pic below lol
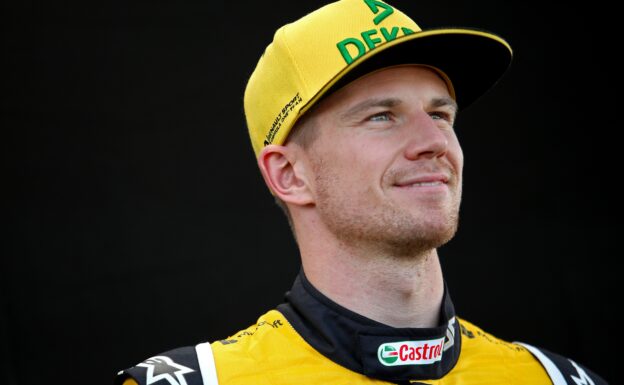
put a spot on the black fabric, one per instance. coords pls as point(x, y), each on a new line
point(354, 341)
point(573, 373)
point(473, 63)
point(175, 367)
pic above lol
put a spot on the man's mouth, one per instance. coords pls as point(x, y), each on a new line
point(424, 181)
point(435, 183)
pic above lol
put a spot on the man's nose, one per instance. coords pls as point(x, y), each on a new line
point(424, 137)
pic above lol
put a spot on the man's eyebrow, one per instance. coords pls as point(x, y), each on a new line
point(369, 103)
point(444, 101)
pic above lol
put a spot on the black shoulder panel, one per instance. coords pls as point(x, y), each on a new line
point(572, 373)
point(175, 367)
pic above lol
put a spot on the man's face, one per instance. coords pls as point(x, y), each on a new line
point(387, 164)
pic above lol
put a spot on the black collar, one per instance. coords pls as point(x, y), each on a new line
point(369, 347)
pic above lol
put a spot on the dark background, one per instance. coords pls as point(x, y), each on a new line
point(138, 222)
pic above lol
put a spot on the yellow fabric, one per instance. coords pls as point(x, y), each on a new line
point(130, 381)
point(311, 54)
point(271, 352)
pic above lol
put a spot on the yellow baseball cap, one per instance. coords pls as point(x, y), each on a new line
point(344, 40)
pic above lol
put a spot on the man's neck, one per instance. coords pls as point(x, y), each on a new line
point(396, 291)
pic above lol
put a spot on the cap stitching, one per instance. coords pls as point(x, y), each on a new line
point(292, 59)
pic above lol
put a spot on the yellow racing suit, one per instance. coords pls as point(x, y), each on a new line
point(310, 339)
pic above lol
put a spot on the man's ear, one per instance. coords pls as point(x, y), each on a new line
point(284, 174)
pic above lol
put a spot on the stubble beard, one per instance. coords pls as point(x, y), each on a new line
point(384, 229)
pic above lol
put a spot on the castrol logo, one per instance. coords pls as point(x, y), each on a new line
point(411, 352)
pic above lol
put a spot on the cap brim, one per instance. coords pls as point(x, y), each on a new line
point(473, 60)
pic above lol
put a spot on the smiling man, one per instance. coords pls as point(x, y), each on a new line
point(375, 193)
point(351, 113)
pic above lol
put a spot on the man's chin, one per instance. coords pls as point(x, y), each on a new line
point(423, 238)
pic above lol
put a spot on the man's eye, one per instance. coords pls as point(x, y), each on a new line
point(438, 115)
point(381, 117)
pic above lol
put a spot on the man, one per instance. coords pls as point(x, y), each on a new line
point(350, 112)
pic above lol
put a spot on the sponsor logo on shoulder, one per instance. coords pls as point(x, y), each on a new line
point(411, 352)
point(164, 368)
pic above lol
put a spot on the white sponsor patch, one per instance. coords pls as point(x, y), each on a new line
point(411, 352)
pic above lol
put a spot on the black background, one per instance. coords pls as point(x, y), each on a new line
point(138, 222)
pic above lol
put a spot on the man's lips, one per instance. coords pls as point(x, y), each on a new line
point(424, 181)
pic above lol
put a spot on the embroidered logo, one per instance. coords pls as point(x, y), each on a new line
point(411, 352)
point(583, 378)
point(164, 368)
point(388, 355)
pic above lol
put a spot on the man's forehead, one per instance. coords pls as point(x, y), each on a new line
point(378, 88)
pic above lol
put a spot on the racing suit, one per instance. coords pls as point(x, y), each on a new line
point(310, 339)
